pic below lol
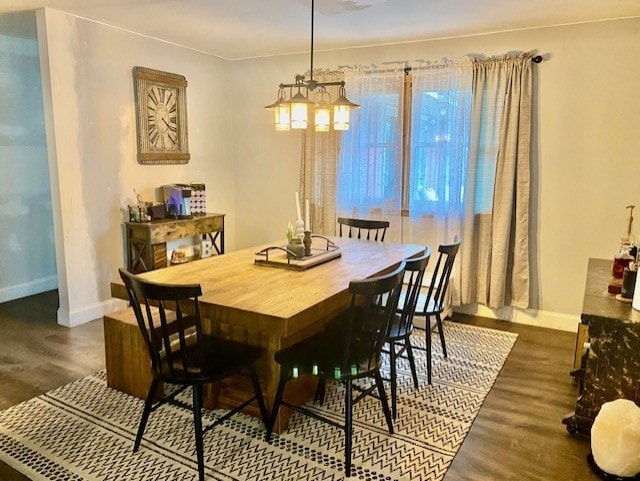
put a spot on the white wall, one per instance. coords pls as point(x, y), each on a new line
point(90, 114)
point(585, 151)
point(267, 163)
point(27, 259)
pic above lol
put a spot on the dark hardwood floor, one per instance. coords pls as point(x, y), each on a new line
point(37, 355)
point(518, 434)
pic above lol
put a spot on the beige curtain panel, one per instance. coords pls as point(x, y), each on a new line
point(495, 254)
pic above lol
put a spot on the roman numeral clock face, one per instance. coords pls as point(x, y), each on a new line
point(162, 117)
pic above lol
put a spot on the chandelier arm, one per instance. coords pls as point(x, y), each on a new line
point(317, 84)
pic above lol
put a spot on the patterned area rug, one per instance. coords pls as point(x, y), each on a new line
point(85, 430)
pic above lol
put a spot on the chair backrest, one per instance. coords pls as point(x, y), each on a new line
point(373, 303)
point(168, 316)
point(441, 275)
point(373, 229)
point(413, 276)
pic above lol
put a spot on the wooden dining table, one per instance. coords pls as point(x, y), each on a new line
point(274, 307)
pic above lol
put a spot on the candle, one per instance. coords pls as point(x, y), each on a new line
point(298, 207)
point(307, 225)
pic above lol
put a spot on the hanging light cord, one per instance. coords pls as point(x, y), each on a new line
point(312, 22)
point(292, 113)
point(300, 80)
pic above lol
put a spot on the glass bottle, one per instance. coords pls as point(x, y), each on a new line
point(622, 260)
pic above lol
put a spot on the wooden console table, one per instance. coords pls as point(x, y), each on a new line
point(146, 242)
point(612, 369)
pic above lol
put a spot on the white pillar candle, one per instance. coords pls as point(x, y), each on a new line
point(298, 207)
point(307, 225)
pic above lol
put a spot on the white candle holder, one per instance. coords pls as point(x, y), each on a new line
point(299, 232)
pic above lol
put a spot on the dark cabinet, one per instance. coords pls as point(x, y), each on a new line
point(612, 368)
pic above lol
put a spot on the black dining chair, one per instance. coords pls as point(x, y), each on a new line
point(434, 303)
point(182, 355)
point(371, 229)
point(399, 337)
point(347, 354)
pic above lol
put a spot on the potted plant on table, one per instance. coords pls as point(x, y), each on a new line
point(294, 243)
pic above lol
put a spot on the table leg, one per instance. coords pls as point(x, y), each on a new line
point(234, 390)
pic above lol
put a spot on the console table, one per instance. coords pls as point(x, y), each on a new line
point(612, 369)
point(146, 242)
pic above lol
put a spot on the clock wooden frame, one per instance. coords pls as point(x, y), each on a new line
point(162, 132)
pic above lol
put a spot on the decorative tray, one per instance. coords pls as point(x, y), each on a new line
point(279, 256)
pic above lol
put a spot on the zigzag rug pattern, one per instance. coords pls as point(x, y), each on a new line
point(84, 431)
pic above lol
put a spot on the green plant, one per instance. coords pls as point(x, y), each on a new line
point(290, 231)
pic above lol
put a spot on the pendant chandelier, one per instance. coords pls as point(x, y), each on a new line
point(293, 112)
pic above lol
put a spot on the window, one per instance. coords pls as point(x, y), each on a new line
point(380, 112)
point(439, 151)
point(370, 161)
point(373, 177)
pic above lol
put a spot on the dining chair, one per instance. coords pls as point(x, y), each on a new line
point(399, 336)
point(434, 303)
point(182, 355)
point(350, 353)
point(359, 227)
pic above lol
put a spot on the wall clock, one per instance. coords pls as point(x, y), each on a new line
point(161, 109)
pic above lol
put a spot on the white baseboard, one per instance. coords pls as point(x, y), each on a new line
point(90, 313)
point(36, 286)
point(530, 317)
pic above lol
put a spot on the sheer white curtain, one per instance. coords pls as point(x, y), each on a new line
point(318, 168)
point(495, 250)
point(370, 161)
point(439, 152)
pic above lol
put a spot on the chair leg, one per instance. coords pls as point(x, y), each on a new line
point(320, 390)
point(383, 401)
point(201, 396)
point(412, 361)
point(277, 400)
point(148, 403)
point(197, 422)
point(392, 369)
point(428, 343)
point(258, 392)
point(348, 427)
point(441, 332)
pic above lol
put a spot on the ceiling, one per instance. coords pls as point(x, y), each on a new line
point(235, 29)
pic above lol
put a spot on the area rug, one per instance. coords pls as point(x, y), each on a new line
point(84, 431)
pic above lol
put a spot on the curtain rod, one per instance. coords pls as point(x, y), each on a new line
point(536, 59)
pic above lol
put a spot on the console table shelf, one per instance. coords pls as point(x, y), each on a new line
point(146, 242)
point(612, 369)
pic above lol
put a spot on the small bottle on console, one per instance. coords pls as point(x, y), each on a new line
point(624, 256)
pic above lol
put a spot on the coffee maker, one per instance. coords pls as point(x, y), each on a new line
point(177, 200)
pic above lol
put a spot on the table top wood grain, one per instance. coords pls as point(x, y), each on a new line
point(275, 300)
